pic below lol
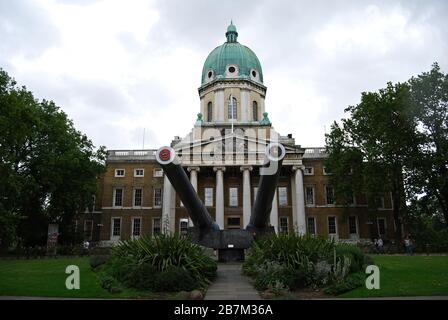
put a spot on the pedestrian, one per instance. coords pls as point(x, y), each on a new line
point(408, 245)
point(380, 245)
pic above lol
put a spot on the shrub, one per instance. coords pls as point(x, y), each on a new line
point(160, 263)
point(273, 275)
point(352, 281)
point(354, 253)
point(96, 261)
point(174, 279)
point(296, 261)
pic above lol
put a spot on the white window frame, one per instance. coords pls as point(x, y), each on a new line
point(133, 227)
point(326, 199)
point(305, 173)
point(112, 236)
point(138, 175)
point(335, 223)
point(378, 225)
point(314, 195)
point(232, 109)
point(115, 196)
point(91, 229)
point(183, 220)
point(280, 224)
point(280, 203)
point(153, 225)
point(324, 171)
point(133, 198)
point(120, 176)
point(314, 223)
point(230, 197)
point(207, 201)
point(154, 198)
point(155, 173)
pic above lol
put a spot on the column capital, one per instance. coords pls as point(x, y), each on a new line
point(197, 169)
point(219, 169)
point(298, 167)
point(243, 168)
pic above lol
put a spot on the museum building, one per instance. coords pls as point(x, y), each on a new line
point(222, 156)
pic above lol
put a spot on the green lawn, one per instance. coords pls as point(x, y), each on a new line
point(46, 278)
point(408, 276)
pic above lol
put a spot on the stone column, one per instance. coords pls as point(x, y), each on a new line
point(194, 182)
point(219, 207)
point(274, 213)
point(168, 223)
point(246, 194)
point(300, 199)
point(245, 101)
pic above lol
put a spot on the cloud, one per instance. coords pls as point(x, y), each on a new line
point(119, 68)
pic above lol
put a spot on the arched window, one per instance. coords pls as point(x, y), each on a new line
point(209, 112)
point(232, 108)
point(255, 111)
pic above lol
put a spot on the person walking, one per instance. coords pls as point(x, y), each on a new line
point(380, 245)
point(408, 245)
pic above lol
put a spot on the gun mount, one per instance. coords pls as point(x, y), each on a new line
point(229, 243)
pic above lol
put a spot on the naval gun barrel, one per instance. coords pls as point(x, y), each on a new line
point(166, 157)
point(269, 173)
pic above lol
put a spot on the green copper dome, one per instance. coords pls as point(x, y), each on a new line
point(232, 60)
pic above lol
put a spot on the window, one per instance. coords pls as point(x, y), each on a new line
point(118, 197)
point(233, 223)
point(311, 221)
point(209, 112)
point(351, 199)
point(88, 228)
point(139, 172)
point(138, 197)
point(309, 171)
point(309, 192)
point(232, 108)
point(119, 173)
point(329, 195)
point(325, 171)
point(136, 227)
point(232, 69)
point(255, 193)
point(93, 202)
point(282, 196)
point(156, 226)
point(283, 225)
point(158, 172)
point(381, 226)
point(157, 197)
point(255, 110)
point(183, 227)
point(208, 193)
point(116, 227)
point(233, 197)
point(352, 225)
point(380, 202)
point(332, 225)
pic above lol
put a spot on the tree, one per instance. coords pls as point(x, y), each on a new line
point(376, 144)
point(429, 93)
point(48, 169)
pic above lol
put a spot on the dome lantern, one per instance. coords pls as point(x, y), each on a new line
point(231, 33)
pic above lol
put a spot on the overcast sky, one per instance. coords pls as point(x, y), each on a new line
point(116, 67)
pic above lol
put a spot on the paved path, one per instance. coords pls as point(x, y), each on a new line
point(231, 284)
